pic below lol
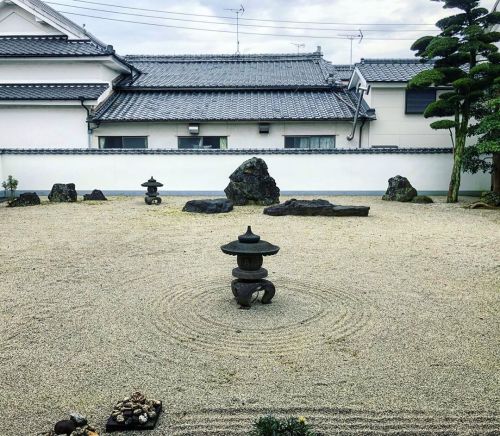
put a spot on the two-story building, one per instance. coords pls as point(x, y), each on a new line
point(71, 109)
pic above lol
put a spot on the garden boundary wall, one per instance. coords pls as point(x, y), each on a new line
point(352, 172)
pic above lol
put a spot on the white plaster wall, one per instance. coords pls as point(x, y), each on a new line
point(55, 71)
point(394, 127)
point(240, 135)
point(43, 127)
point(16, 21)
point(210, 173)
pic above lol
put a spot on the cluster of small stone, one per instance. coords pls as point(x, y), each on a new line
point(135, 409)
point(77, 425)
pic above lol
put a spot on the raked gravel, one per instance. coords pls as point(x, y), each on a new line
point(388, 323)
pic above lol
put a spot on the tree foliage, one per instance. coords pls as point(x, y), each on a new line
point(466, 63)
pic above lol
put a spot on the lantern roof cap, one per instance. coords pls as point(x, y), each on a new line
point(152, 183)
point(250, 243)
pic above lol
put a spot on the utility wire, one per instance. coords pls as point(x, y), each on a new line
point(227, 31)
point(234, 24)
point(251, 19)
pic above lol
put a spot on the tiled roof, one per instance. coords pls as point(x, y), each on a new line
point(279, 71)
point(45, 46)
point(391, 70)
point(52, 91)
point(228, 105)
point(343, 72)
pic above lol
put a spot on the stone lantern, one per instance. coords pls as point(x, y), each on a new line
point(152, 195)
point(250, 275)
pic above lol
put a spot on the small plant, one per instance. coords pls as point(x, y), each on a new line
point(271, 426)
point(10, 186)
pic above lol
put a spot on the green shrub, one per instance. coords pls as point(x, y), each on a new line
point(271, 426)
point(10, 186)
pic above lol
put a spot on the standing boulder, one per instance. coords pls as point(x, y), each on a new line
point(252, 184)
point(26, 199)
point(63, 193)
point(400, 189)
point(95, 195)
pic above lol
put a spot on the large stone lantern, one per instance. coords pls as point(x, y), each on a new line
point(152, 195)
point(250, 275)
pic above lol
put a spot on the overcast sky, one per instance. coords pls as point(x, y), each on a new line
point(129, 38)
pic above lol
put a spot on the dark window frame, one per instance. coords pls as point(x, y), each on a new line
point(146, 145)
point(420, 91)
point(202, 137)
point(311, 136)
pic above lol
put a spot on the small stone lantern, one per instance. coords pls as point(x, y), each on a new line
point(250, 275)
point(152, 196)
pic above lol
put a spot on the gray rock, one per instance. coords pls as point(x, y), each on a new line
point(400, 189)
point(315, 208)
point(143, 419)
point(64, 427)
point(251, 184)
point(422, 199)
point(78, 419)
point(95, 195)
point(63, 193)
point(219, 205)
point(26, 199)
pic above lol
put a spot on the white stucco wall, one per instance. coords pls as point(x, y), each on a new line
point(394, 127)
point(240, 135)
point(55, 71)
point(341, 172)
point(43, 126)
point(17, 21)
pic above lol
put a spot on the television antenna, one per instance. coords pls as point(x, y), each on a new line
point(352, 37)
point(238, 12)
point(298, 45)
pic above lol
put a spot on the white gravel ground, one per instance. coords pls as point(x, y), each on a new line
point(386, 324)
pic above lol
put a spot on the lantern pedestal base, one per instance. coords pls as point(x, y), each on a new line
point(243, 291)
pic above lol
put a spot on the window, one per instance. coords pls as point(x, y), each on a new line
point(308, 142)
point(203, 142)
point(418, 99)
point(123, 142)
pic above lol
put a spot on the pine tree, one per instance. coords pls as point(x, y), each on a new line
point(466, 64)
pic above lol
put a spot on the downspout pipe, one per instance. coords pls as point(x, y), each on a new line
point(89, 129)
point(361, 91)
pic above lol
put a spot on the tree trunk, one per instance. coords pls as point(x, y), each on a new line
point(456, 172)
point(496, 172)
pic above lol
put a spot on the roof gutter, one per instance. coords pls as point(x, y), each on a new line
point(362, 91)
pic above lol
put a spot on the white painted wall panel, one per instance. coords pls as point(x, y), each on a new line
point(55, 71)
point(348, 172)
point(394, 127)
point(240, 135)
point(43, 127)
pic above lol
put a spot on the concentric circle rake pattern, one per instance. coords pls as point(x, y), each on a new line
point(346, 422)
point(206, 318)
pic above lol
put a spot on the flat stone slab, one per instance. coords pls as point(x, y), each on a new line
point(219, 205)
point(315, 208)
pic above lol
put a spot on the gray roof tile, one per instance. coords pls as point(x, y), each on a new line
point(231, 71)
point(391, 70)
point(46, 46)
point(51, 91)
point(228, 106)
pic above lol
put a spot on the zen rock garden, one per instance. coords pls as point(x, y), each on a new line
point(226, 311)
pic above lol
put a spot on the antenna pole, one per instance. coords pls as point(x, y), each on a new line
point(298, 45)
point(351, 37)
point(239, 11)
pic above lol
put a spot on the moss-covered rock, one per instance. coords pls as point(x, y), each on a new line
point(422, 199)
point(400, 189)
